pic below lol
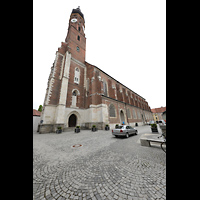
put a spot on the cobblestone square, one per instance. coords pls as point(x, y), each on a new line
point(99, 166)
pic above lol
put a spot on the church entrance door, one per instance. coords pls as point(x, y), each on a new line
point(122, 119)
point(72, 121)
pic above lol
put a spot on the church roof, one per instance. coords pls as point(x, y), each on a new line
point(78, 10)
point(116, 80)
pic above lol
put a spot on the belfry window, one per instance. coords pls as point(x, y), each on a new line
point(79, 28)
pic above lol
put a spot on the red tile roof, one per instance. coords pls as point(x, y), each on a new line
point(158, 110)
point(36, 112)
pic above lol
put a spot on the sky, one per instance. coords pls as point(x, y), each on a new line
point(126, 39)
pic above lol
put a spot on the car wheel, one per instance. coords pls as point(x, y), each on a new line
point(127, 135)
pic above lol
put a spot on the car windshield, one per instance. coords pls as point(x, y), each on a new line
point(119, 127)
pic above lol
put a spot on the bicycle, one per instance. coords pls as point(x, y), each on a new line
point(164, 142)
point(161, 145)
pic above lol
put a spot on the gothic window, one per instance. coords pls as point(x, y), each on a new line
point(78, 38)
point(134, 115)
point(74, 98)
point(139, 115)
point(105, 88)
point(79, 28)
point(112, 110)
point(128, 113)
point(75, 93)
point(77, 76)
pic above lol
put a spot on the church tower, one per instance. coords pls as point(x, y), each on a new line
point(76, 36)
point(67, 80)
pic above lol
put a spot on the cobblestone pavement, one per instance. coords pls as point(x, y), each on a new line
point(104, 167)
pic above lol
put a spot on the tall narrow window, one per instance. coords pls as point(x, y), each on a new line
point(105, 88)
point(112, 110)
point(128, 113)
point(134, 115)
point(74, 98)
point(139, 115)
point(77, 76)
point(78, 38)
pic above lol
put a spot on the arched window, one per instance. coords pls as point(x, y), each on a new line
point(112, 110)
point(74, 97)
point(134, 115)
point(128, 113)
point(105, 89)
point(77, 75)
point(138, 114)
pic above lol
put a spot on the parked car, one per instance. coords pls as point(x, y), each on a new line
point(162, 122)
point(124, 130)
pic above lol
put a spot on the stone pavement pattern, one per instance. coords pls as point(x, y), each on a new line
point(104, 167)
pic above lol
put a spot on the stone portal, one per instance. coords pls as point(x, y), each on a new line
point(72, 121)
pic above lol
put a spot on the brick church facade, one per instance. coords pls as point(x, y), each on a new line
point(79, 93)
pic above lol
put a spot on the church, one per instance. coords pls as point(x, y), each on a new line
point(81, 94)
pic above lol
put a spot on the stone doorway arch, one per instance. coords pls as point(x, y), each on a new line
point(72, 120)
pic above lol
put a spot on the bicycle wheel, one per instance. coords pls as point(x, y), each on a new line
point(164, 149)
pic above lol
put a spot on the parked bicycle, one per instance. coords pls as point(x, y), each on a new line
point(164, 142)
point(164, 149)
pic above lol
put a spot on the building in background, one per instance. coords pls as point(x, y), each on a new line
point(164, 115)
point(36, 119)
point(157, 113)
point(79, 93)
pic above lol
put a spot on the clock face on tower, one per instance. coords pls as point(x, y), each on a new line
point(73, 20)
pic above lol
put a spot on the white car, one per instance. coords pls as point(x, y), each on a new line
point(162, 122)
point(124, 130)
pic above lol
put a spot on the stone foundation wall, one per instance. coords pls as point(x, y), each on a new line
point(99, 125)
point(49, 128)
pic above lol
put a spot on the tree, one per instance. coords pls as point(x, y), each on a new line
point(40, 108)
